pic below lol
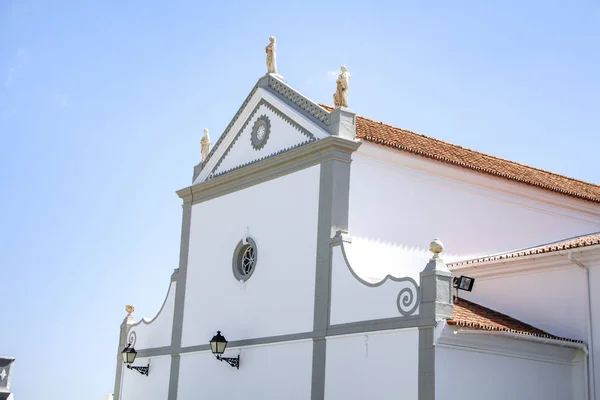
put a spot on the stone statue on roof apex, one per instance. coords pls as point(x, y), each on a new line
point(205, 145)
point(271, 51)
point(340, 97)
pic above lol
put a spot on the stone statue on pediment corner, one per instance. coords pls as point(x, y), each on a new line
point(205, 145)
point(340, 97)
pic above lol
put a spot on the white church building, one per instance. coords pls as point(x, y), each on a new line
point(307, 241)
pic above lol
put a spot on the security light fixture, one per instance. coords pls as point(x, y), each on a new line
point(218, 344)
point(463, 283)
point(129, 355)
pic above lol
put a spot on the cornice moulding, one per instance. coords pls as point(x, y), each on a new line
point(329, 148)
point(534, 263)
point(511, 345)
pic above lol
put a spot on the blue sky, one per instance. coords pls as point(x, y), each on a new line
point(102, 106)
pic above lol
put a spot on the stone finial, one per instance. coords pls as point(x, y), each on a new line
point(271, 51)
point(129, 309)
point(436, 247)
point(205, 144)
point(340, 97)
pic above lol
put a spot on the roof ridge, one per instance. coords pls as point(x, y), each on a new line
point(480, 152)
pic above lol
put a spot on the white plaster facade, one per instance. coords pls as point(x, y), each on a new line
point(284, 280)
point(337, 305)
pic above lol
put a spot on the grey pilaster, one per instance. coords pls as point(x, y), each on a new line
point(197, 170)
point(334, 193)
point(436, 292)
point(180, 276)
point(342, 123)
point(436, 305)
point(124, 328)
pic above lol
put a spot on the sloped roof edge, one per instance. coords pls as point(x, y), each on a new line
point(564, 244)
point(474, 316)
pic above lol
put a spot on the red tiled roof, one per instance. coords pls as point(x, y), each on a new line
point(425, 146)
point(572, 243)
point(470, 315)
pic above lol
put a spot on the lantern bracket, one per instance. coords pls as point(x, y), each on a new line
point(233, 361)
point(141, 370)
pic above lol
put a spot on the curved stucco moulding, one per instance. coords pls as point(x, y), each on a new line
point(155, 332)
point(407, 300)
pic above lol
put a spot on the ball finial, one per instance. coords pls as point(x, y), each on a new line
point(129, 309)
point(436, 247)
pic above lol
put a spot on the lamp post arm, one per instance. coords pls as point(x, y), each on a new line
point(141, 370)
point(233, 361)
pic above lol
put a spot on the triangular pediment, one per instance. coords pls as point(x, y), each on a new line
point(274, 119)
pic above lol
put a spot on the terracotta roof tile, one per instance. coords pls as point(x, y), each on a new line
point(470, 315)
point(425, 146)
point(566, 244)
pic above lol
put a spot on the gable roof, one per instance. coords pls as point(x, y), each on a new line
point(471, 315)
point(565, 244)
point(425, 146)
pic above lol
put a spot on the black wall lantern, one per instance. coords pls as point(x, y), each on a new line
point(463, 283)
point(129, 355)
point(218, 344)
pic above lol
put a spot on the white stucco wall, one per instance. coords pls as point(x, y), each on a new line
point(281, 216)
point(267, 372)
point(156, 332)
point(378, 365)
point(551, 300)
point(469, 375)
point(353, 300)
point(400, 202)
point(155, 386)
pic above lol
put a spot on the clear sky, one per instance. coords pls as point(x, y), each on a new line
point(102, 106)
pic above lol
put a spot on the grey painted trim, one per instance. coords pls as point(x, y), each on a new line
point(118, 375)
point(309, 155)
point(436, 305)
point(298, 101)
point(436, 292)
point(168, 350)
point(366, 326)
point(374, 325)
point(253, 342)
point(155, 351)
point(123, 331)
point(319, 365)
point(174, 376)
point(342, 123)
point(334, 197)
point(406, 296)
point(277, 112)
point(426, 364)
point(177, 331)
